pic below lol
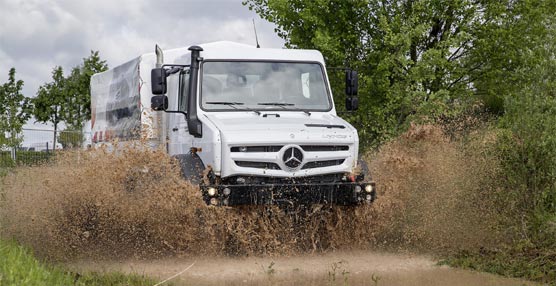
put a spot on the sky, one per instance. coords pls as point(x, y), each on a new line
point(37, 35)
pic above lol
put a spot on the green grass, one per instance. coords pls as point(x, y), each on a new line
point(531, 263)
point(19, 267)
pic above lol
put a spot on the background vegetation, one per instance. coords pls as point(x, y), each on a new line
point(64, 100)
point(437, 61)
point(67, 98)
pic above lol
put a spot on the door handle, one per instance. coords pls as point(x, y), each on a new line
point(175, 129)
point(267, 114)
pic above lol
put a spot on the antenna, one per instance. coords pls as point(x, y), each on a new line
point(256, 38)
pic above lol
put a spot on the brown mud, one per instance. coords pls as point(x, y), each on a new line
point(433, 197)
point(333, 268)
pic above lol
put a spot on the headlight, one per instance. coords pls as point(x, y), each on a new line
point(368, 188)
point(214, 201)
point(211, 191)
point(227, 191)
point(357, 189)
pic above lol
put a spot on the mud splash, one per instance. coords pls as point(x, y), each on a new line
point(134, 204)
point(438, 194)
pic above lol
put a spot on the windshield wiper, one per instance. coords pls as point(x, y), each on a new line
point(230, 103)
point(233, 105)
point(283, 106)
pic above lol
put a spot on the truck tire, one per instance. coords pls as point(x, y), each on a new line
point(192, 167)
point(364, 168)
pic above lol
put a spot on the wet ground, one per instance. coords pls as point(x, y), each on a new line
point(433, 198)
point(340, 268)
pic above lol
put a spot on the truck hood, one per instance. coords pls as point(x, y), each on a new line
point(282, 126)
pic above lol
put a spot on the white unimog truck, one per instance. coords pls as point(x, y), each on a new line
point(249, 125)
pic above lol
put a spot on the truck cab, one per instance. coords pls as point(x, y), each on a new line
point(257, 126)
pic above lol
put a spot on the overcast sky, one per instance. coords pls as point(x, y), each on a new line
point(36, 35)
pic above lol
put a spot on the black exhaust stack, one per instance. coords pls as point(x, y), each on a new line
point(193, 124)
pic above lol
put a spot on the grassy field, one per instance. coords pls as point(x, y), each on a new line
point(18, 266)
point(531, 263)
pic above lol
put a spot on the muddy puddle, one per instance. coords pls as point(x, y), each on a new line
point(100, 210)
point(338, 268)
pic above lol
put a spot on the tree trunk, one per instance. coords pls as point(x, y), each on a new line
point(14, 146)
point(54, 141)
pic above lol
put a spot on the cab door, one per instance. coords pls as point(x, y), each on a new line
point(179, 139)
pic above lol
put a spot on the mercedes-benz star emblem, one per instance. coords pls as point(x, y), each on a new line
point(293, 157)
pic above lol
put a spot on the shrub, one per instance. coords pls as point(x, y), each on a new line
point(527, 150)
point(24, 158)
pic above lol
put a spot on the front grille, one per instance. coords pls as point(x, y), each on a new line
point(249, 149)
point(322, 164)
point(258, 165)
point(278, 157)
point(324, 148)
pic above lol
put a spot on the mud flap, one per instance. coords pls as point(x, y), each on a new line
point(191, 166)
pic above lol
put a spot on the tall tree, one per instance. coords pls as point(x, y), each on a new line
point(78, 88)
point(14, 111)
point(52, 101)
point(67, 99)
point(415, 57)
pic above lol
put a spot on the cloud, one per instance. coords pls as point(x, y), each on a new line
point(36, 35)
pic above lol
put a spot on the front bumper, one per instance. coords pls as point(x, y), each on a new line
point(337, 193)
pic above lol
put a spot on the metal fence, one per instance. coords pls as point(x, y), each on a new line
point(40, 145)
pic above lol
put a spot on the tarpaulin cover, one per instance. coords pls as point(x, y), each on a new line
point(116, 103)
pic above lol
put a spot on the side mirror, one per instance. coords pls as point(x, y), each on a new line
point(158, 81)
point(352, 83)
point(352, 103)
point(159, 102)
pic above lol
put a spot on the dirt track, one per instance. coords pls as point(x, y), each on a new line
point(341, 268)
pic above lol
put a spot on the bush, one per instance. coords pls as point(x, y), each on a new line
point(527, 150)
point(24, 158)
point(6, 159)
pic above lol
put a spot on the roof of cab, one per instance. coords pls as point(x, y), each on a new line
point(225, 50)
point(232, 50)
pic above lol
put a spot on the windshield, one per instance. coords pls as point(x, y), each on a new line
point(264, 86)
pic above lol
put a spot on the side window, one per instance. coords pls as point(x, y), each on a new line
point(184, 90)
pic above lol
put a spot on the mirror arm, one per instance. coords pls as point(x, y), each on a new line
point(172, 71)
point(176, 111)
point(175, 65)
point(174, 68)
point(338, 68)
